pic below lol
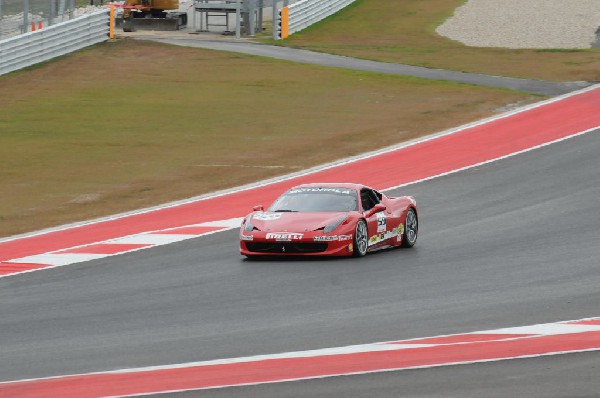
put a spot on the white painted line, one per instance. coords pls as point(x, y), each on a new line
point(349, 373)
point(151, 239)
point(372, 347)
point(510, 155)
point(547, 329)
point(57, 259)
point(354, 349)
point(230, 223)
point(382, 346)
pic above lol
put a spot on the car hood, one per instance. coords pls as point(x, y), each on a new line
point(294, 222)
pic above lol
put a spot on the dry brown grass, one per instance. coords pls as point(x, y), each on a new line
point(131, 124)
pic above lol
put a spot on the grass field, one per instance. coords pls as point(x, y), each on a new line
point(130, 124)
point(404, 32)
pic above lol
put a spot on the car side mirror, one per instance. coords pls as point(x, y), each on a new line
point(259, 208)
point(375, 209)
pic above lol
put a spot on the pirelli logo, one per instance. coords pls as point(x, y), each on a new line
point(284, 236)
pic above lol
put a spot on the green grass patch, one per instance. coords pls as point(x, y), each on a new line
point(131, 124)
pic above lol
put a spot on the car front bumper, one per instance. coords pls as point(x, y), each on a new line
point(315, 243)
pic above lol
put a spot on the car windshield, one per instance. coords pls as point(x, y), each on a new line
point(316, 200)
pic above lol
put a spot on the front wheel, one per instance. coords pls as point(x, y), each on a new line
point(411, 228)
point(361, 239)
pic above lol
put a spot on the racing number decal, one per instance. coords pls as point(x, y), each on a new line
point(381, 222)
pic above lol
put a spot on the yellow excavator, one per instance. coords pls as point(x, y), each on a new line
point(152, 15)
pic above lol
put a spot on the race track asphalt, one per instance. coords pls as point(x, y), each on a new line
point(510, 243)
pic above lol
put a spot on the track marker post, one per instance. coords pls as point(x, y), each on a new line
point(283, 24)
point(111, 23)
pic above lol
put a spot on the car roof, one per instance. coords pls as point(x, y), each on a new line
point(346, 185)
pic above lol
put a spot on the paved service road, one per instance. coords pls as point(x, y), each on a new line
point(311, 57)
point(509, 243)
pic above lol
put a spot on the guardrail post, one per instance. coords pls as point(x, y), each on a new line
point(250, 20)
point(260, 15)
point(52, 12)
point(275, 19)
point(238, 20)
point(25, 16)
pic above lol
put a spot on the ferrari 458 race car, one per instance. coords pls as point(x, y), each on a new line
point(329, 220)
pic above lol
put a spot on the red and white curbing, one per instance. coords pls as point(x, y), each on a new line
point(458, 149)
point(483, 346)
point(114, 247)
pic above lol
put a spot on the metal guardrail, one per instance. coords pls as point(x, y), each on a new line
point(32, 48)
point(307, 12)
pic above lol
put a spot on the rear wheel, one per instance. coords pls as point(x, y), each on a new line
point(361, 239)
point(411, 228)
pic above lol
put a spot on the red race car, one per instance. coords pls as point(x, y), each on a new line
point(330, 220)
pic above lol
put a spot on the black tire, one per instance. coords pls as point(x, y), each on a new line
point(361, 239)
point(128, 26)
point(411, 228)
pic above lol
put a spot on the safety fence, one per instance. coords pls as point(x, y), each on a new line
point(304, 13)
point(22, 16)
point(34, 47)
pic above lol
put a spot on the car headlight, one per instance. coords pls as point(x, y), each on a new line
point(248, 226)
point(331, 227)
